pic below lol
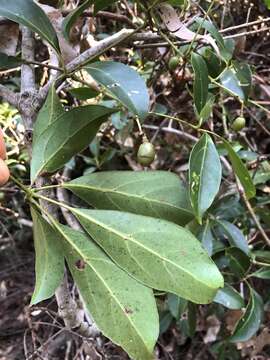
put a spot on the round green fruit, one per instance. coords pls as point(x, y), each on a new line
point(239, 123)
point(146, 154)
point(173, 63)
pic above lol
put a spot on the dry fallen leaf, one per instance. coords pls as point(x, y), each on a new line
point(171, 20)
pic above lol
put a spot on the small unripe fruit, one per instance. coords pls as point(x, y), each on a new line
point(146, 154)
point(4, 173)
point(239, 123)
point(173, 63)
point(2, 146)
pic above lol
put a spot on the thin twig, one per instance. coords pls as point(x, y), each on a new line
point(252, 213)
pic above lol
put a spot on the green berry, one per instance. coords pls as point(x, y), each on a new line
point(146, 154)
point(239, 123)
point(173, 63)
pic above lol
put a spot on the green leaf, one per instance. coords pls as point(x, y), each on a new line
point(124, 83)
point(28, 13)
point(102, 4)
point(229, 298)
point(206, 237)
point(176, 305)
point(250, 322)
point(231, 83)
point(158, 253)
point(244, 75)
point(49, 267)
point(83, 93)
point(267, 3)
point(235, 236)
point(201, 81)
point(9, 62)
point(239, 262)
point(210, 27)
point(158, 194)
point(64, 137)
point(263, 273)
point(204, 175)
point(207, 109)
point(240, 170)
point(187, 324)
point(123, 309)
point(73, 16)
point(214, 64)
point(50, 112)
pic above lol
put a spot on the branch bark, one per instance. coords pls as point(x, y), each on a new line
point(99, 49)
point(28, 103)
point(9, 96)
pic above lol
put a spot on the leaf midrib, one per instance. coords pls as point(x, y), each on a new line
point(107, 190)
point(86, 259)
point(130, 238)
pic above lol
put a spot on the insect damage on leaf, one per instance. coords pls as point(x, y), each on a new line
point(80, 264)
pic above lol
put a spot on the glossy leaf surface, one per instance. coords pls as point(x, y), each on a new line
point(124, 310)
point(158, 194)
point(65, 136)
point(161, 254)
point(124, 83)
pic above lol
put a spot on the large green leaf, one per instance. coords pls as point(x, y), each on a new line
point(229, 298)
point(49, 266)
point(158, 194)
point(124, 83)
point(124, 310)
point(28, 13)
point(235, 236)
point(67, 135)
point(250, 322)
point(161, 254)
point(204, 175)
point(201, 81)
point(240, 170)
